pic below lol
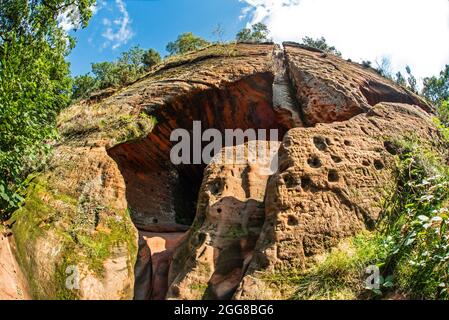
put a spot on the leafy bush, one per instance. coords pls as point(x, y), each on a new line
point(436, 89)
point(32, 91)
point(416, 225)
point(257, 33)
point(83, 86)
point(131, 65)
point(186, 42)
point(151, 58)
point(320, 44)
point(34, 86)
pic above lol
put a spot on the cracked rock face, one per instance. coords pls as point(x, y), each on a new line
point(209, 232)
point(230, 215)
point(330, 185)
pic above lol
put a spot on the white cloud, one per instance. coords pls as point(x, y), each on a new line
point(410, 32)
point(118, 31)
point(70, 19)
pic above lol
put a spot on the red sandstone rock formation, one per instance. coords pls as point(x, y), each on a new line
point(112, 167)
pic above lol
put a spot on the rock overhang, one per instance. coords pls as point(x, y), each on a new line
point(121, 143)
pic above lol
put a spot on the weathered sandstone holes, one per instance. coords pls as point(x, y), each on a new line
point(306, 183)
point(162, 197)
point(217, 187)
point(320, 143)
point(366, 163)
point(333, 176)
point(314, 162)
point(391, 147)
point(348, 143)
point(290, 181)
point(336, 159)
point(378, 164)
point(292, 220)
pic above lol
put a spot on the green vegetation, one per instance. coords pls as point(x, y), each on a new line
point(385, 70)
point(410, 246)
point(339, 275)
point(131, 65)
point(436, 90)
point(257, 33)
point(83, 236)
point(415, 224)
point(320, 44)
point(34, 86)
point(186, 42)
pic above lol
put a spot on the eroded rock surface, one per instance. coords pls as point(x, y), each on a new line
point(330, 185)
point(13, 285)
point(330, 89)
point(230, 215)
point(111, 174)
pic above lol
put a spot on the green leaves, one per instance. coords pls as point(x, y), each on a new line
point(186, 42)
point(257, 33)
point(321, 44)
point(34, 85)
point(417, 225)
point(436, 89)
point(131, 65)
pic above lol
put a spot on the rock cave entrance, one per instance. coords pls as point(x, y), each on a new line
point(161, 196)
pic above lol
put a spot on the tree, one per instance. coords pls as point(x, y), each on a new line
point(150, 58)
point(411, 80)
point(400, 80)
point(443, 112)
point(83, 86)
point(106, 74)
point(260, 32)
point(257, 33)
point(384, 68)
point(34, 85)
point(130, 65)
point(366, 63)
point(186, 42)
point(219, 33)
point(320, 44)
point(37, 19)
point(244, 35)
point(436, 89)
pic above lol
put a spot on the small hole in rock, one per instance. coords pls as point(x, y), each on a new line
point(219, 210)
point(336, 159)
point(333, 176)
point(379, 165)
point(155, 220)
point(306, 182)
point(366, 163)
point(290, 181)
point(320, 143)
point(216, 187)
point(314, 162)
point(391, 147)
point(348, 143)
point(292, 220)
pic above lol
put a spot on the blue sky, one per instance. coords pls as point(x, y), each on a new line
point(407, 32)
point(152, 24)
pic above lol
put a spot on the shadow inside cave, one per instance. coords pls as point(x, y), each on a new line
point(162, 197)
